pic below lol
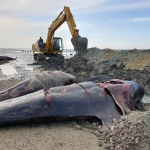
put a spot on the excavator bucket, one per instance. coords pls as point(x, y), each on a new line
point(80, 44)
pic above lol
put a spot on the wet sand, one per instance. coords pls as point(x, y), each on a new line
point(56, 136)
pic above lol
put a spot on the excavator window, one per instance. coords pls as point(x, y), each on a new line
point(57, 44)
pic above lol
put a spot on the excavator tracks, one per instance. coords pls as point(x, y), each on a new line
point(39, 57)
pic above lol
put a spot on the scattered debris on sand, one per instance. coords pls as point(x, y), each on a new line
point(129, 132)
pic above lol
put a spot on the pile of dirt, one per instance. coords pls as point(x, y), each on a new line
point(126, 65)
point(128, 133)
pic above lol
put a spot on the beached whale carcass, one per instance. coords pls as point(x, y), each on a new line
point(105, 101)
point(43, 80)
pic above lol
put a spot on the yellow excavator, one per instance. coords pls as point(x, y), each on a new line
point(54, 45)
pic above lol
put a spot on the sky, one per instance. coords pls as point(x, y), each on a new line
point(115, 24)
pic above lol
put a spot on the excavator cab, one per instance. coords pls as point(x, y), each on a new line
point(58, 44)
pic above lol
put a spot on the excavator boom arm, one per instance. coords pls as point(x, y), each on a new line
point(54, 26)
point(70, 21)
point(67, 16)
